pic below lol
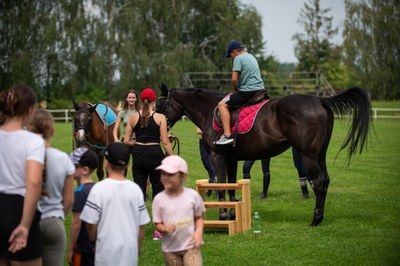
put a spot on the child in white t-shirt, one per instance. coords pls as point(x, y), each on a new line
point(115, 212)
point(178, 214)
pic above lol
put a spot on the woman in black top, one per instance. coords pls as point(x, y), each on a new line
point(149, 127)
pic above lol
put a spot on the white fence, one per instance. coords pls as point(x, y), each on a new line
point(62, 114)
point(385, 113)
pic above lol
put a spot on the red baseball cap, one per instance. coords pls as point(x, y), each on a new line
point(148, 94)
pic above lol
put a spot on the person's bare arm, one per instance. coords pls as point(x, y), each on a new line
point(73, 237)
point(198, 233)
point(68, 194)
point(19, 236)
point(164, 135)
point(115, 130)
point(129, 129)
point(235, 80)
point(140, 237)
point(165, 228)
point(92, 231)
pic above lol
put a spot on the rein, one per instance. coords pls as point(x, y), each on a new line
point(172, 138)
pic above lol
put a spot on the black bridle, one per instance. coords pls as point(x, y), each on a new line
point(164, 110)
point(83, 125)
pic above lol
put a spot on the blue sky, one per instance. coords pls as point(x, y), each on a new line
point(280, 23)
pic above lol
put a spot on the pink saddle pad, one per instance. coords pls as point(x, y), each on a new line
point(246, 117)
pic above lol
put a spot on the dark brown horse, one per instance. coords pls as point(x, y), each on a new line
point(93, 131)
point(302, 121)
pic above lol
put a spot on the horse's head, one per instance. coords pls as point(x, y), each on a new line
point(82, 121)
point(167, 105)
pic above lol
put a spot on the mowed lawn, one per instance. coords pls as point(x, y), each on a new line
point(362, 211)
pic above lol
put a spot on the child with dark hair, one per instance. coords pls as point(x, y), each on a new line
point(80, 249)
point(115, 212)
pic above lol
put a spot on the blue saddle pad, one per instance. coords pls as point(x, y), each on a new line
point(103, 110)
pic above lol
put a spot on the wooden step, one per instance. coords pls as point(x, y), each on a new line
point(222, 204)
point(219, 186)
point(231, 225)
point(242, 207)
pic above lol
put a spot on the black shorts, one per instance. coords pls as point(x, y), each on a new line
point(11, 207)
point(239, 98)
point(84, 258)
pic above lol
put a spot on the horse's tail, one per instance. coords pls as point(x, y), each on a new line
point(356, 103)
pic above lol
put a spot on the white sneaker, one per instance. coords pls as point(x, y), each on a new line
point(224, 140)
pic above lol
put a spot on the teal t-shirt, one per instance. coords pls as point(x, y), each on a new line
point(125, 115)
point(249, 76)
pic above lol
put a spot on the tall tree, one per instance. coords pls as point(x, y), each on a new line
point(371, 45)
point(99, 48)
point(314, 48)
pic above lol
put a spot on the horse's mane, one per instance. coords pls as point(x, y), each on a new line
point(86, 105)
point(201, 90)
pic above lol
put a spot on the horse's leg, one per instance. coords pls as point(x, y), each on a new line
point(321, 188)
point(301, 174)
point(316, 167)
point(232, 171)
point(221, 169)
point(100, 168)
point(312, 167)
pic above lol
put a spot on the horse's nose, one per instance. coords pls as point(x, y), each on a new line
point(80, 136)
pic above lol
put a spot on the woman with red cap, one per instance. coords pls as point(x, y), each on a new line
point(149, 127)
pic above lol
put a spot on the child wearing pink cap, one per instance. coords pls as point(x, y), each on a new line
point(178, 214)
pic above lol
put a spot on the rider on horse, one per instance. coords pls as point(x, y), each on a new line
point(246, 82)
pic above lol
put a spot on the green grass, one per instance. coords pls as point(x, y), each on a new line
point(386, 104)
point(362, 211)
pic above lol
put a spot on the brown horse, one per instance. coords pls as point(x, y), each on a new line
point(91, 131)
point(302, 121)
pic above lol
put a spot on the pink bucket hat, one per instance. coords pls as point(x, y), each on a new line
point(173, 164)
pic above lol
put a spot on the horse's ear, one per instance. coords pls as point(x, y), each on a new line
point(92, 108)
point(76, 106)
point(164, 89)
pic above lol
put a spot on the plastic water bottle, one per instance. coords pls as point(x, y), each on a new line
point(256, 224)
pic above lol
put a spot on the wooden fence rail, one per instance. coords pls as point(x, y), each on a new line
point(62, 114)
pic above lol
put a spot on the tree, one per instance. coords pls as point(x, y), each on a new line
point(371, 45)
point(314, 49)
point(74, 48)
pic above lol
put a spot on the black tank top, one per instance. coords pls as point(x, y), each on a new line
point(148, 134)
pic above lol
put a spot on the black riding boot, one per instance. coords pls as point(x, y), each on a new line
point(266, 180)
point(303, 185)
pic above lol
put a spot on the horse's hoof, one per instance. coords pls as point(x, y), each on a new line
point(232, 198)
point(223, 216)
point(209, 192)
point(317, 219)
point(263, 196)
point(232, 214)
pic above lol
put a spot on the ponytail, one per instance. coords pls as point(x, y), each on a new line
point(144, 118)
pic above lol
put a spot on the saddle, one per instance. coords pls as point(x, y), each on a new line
point(244, 116)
